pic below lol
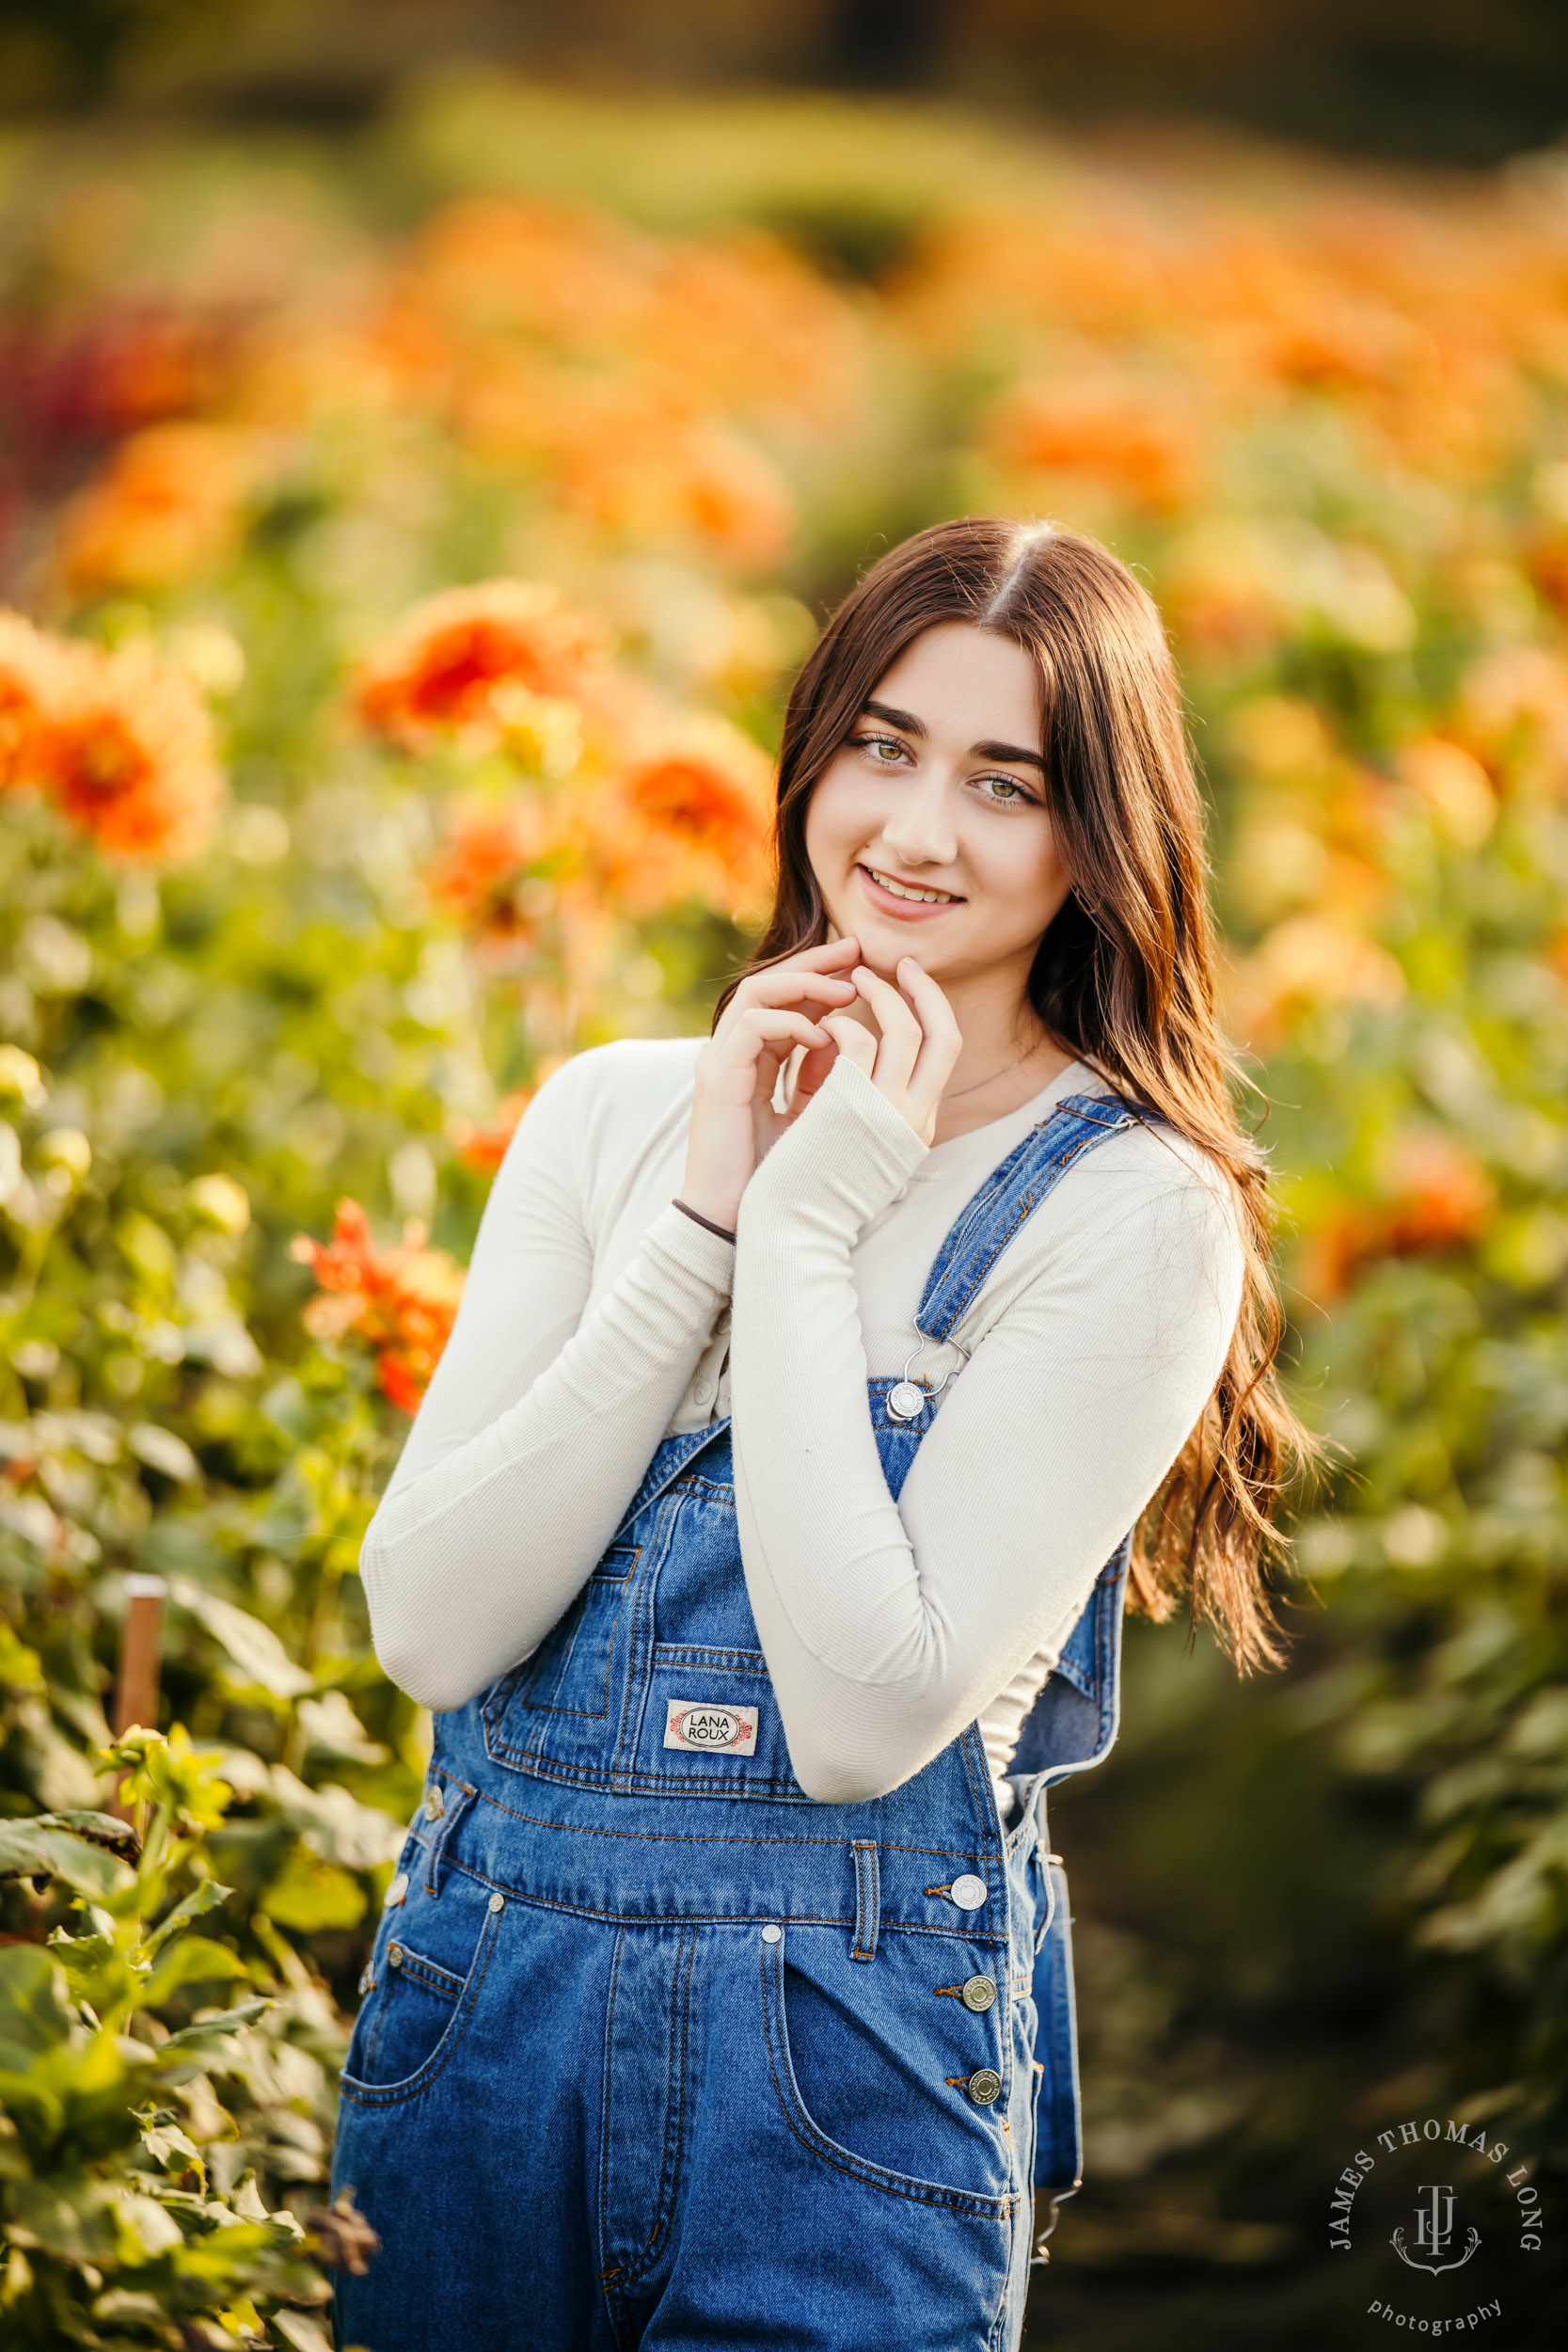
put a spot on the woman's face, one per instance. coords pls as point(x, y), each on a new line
point(928, 831)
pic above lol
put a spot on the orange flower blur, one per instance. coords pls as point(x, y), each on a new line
point(121, 743)
point(401, 1302)
point(166, 508)
point(29, 680)
point(1440, 1198)
point(483, 1148)
point(450, 664)
point(691, 820)
point(128, 756)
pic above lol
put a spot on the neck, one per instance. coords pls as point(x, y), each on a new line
point(1007, 1055)
point(999, 1070)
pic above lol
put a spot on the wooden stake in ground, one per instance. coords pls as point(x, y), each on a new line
point(141, 1649)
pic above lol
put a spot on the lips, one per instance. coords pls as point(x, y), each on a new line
point(906, 902)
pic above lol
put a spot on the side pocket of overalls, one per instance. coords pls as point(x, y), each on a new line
point(1058, 2133)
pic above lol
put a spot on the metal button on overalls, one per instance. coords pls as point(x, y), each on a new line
point(985, 2085)
point(979, 1993)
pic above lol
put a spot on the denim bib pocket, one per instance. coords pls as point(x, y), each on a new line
point(429, 1967)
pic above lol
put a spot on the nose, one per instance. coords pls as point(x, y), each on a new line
point(920, 831)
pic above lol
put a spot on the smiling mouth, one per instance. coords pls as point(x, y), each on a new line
point(919, 895)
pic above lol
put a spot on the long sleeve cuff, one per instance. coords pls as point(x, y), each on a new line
point(847, 1157)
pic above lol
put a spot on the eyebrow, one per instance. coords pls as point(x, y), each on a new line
point(906, 719)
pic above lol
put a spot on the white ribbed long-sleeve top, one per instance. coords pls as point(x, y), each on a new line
point(598, 1319)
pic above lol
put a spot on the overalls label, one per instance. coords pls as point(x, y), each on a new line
point(656, 2051)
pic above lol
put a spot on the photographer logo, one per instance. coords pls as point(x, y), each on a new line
point(1435, 2234)
point(1433, 2225)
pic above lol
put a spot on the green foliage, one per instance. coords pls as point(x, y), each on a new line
point(132, 2152)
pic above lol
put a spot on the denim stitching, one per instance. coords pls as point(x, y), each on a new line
point(606, 2271)
point(592, 1714)
point(867, 1899)
point(394, 2094)
point(698, 1837)
point(674, 2108)
point(715, 1919)
point(736, 1661)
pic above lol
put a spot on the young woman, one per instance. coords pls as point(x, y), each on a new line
point(764, 1534)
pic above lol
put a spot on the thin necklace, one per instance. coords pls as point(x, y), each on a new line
point(958, 1091)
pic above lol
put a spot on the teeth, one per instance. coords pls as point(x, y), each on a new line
point(902, 890)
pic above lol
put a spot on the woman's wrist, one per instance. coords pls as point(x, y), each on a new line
point(708, 1224)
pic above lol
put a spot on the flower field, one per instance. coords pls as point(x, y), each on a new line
point(400, 601)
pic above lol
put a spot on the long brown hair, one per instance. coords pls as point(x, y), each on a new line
point(1124, 975)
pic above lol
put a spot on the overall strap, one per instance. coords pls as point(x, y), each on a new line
point(1006, 1200)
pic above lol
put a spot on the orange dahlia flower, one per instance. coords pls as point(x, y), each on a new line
point(401, 1302)
point(127, 754)
point(693, 819)
point(456, 657)
point(484, 864)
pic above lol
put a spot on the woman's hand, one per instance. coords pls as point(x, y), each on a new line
point(913, 1060)
point(734, 1123)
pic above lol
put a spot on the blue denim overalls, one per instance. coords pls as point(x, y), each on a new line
point(654, 2051)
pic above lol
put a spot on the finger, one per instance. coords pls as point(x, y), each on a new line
point(853, 1040)
point(830, 954)
point(780, 986)
point(942, 1038)
point(902, 1036)
point(762, 1029)
point(791, 979)
point(813, 1074)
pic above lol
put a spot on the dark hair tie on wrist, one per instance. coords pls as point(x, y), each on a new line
point(706, 1222)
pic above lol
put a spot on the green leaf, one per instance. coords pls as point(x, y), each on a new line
point(214, 2028)
point(100, 1829)
point(93, 1966)
point(202, 1898)
point(33, 2018)
point(257, 1655)
point(196, 1960)
point(72, 2216)
point(309, 1895)
point(29, 1851)
point(301, 2332)
point(20, 1667)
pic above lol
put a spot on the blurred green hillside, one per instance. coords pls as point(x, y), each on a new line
point(313, 867)
point(1465, 81)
